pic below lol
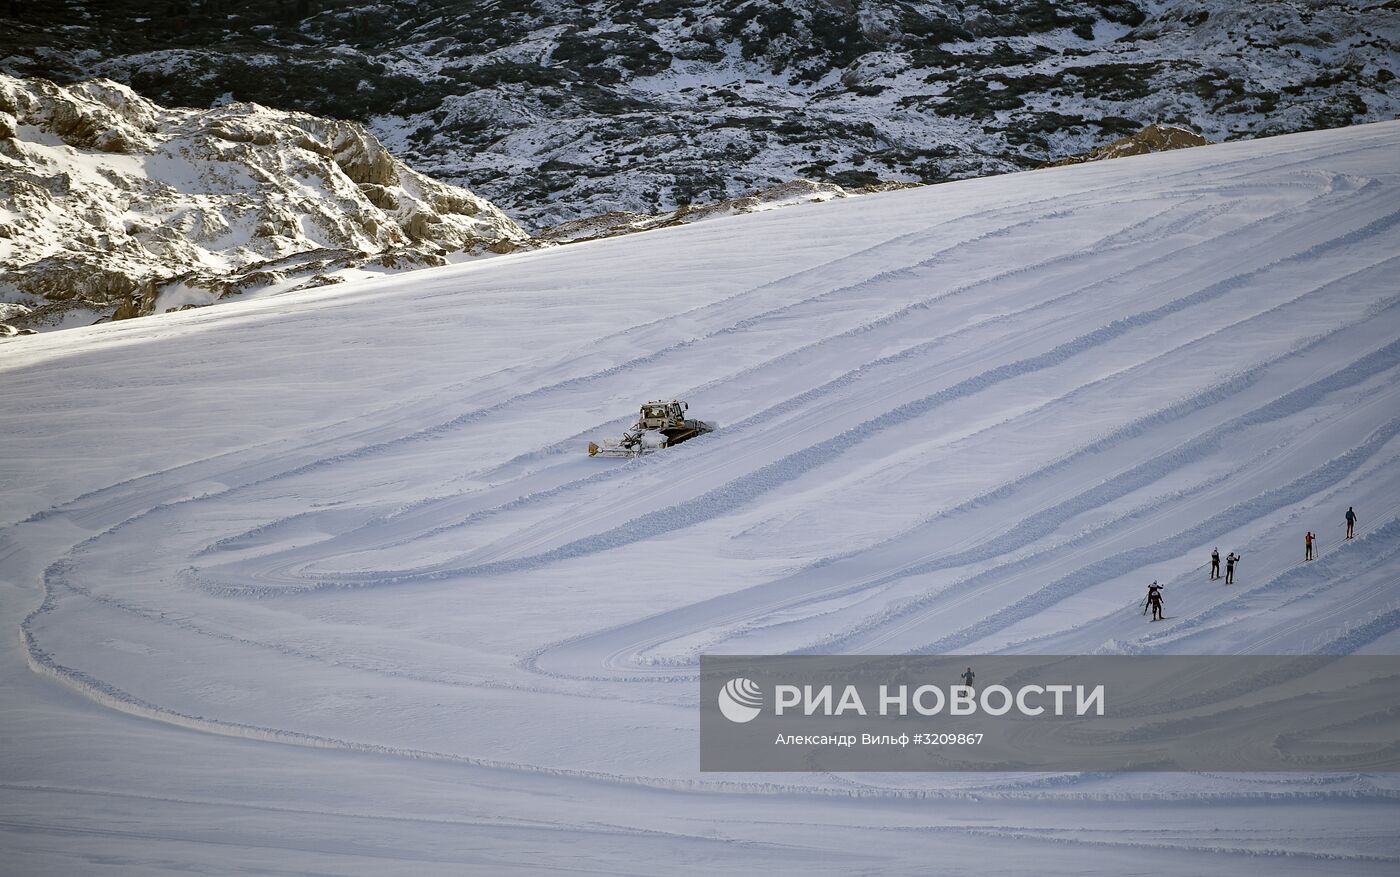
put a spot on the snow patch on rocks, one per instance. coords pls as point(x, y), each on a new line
point(112, 206)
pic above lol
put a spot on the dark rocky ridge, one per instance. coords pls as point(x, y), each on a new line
point(558, 110)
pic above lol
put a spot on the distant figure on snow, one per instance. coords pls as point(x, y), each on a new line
point(967, 676)
point(1351, 521)
point(1308, 545)
point(1215, 564)
point(1230, 560)
point(1154, 600)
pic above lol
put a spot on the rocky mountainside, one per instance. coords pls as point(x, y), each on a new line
point(112, 206)
point(563, 109)
point(793, 192)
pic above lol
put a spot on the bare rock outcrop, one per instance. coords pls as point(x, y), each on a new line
point(1153, 138)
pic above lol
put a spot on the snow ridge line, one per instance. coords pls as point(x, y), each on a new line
point(746, 488)
point(1181, 629)
point(1053, 836)
point(112, 697)
point(1172, 546)
point(1090, 250)
point(1012, 209)
point(1365, 633)
point(1368, 597)
point(1168, 712)
point(1316, 577)
point(107, 695)
point(79, 791)
point(1211, 395)
point(56, 577)
point(232, 542)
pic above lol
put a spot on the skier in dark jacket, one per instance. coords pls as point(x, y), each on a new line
point(967, 676)
point(1215, 563)
point(1230, 560)
point(1351, 521)
point(1154, 600)
point(1308, 545)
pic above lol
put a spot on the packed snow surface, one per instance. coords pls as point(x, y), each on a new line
point(326, 582)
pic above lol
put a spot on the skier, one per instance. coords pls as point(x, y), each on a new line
point(967, 676)
point(1308, 545)
point(1154, 600)
point(1215, 563)
point(1351, 521)
point(1230, 560)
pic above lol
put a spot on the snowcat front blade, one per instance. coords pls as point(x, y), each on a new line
point(612, 450)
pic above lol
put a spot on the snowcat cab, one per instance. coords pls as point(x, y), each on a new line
point(659, 425)
point(662, 415)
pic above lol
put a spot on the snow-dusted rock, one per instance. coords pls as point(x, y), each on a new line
point(576, 108)
point(113, 206)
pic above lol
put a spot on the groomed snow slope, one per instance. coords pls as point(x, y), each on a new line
point(325, 582)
